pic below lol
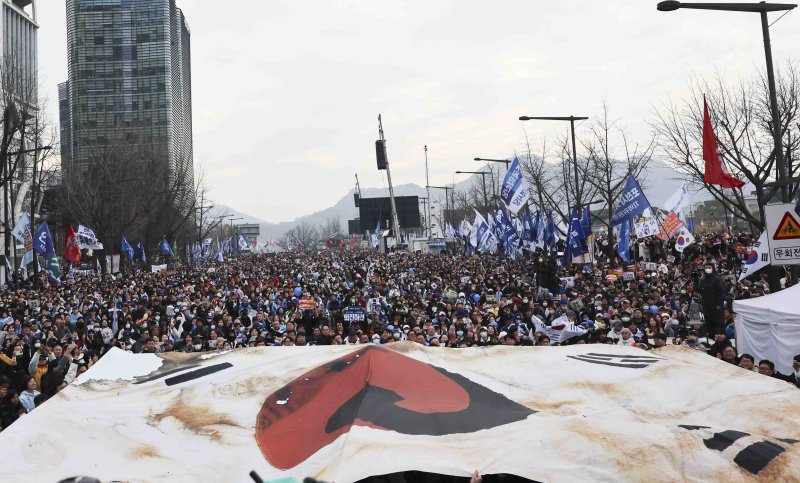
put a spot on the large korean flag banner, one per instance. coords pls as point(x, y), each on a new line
point(631, 202)
point(343, 413)
point(515, 191)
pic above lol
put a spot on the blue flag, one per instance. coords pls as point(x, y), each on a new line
point(550, 231)
point(527, 227)
point(576, 240)
point(140, 252)
point(690, 225)
point(509, 234)
point(515, 190)
point(631, 202)
point(586, 222)
point(43, 245)
point(126, 248)
point(166, 249)
point(624, 242)
point(43, 242)
point(538, 228)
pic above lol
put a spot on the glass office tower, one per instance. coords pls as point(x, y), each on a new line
point(129, 81)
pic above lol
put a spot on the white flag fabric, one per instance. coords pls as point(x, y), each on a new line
point(480, 231)
point(347, 412)
point(87, 239)
point(22, 232)
point(515, 191)
point(465, 227)
point(678, 201)
point(758, 257)
point(684, 239)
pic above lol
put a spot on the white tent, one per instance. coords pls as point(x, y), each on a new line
point(769, 327)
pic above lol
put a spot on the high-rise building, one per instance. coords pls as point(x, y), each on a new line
point(19, 41)
point(129, 81)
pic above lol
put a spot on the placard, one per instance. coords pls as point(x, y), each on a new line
point(306, 303)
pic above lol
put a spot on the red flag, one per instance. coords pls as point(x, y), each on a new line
point(72, 251)
point(716, 173)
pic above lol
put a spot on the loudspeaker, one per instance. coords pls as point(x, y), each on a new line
point(380, 152)
point(356, 199)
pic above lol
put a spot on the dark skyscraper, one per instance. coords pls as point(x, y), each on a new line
point(129, 83)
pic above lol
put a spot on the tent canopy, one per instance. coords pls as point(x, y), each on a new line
point(768, 327)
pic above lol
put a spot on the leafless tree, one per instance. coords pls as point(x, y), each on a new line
point(305, 233)
point(610, 167)
point(742, 119)
point(329, 228)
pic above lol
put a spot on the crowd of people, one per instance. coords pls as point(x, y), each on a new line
point(51, 334)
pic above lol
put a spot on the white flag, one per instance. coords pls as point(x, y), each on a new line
point(685, 238)
point(87, 239)
point(758, 257)
point(678, 201)
point(22, 232)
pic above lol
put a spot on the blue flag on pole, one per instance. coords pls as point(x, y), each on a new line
point(550, 231)
point(126, 248)
point(631, 202)
point(527, 227)
point(515, 191)
point(165, 248)
point(43, 242)
point(586, 222)
point(624, 241)
point(43, 245)
point(576, 240)
point(140, 252)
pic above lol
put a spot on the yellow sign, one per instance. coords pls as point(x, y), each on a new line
point(788, 228)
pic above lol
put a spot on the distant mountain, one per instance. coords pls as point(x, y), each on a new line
point(661, 182)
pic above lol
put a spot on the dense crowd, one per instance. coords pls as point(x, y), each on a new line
point(52, 334)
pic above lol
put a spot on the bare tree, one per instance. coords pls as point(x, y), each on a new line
point(609, 168)
point(18, 99)
point(305, 233)
point(330, 227)
point(742, 120)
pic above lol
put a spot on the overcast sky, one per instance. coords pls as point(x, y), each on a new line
point(286, 94)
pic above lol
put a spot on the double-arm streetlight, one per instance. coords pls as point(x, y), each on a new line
point(762, 8)
point(487, 160)
point(571, 120)
point(483, 180)
point(446, 197)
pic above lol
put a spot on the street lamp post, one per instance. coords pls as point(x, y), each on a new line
point(762, 8)
point(483, 180)
point(504, 161)
point(446, 199)
point(571, 120)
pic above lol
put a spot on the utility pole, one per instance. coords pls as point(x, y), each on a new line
point(427, 187)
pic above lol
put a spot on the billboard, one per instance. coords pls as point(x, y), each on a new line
point(371, 210)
